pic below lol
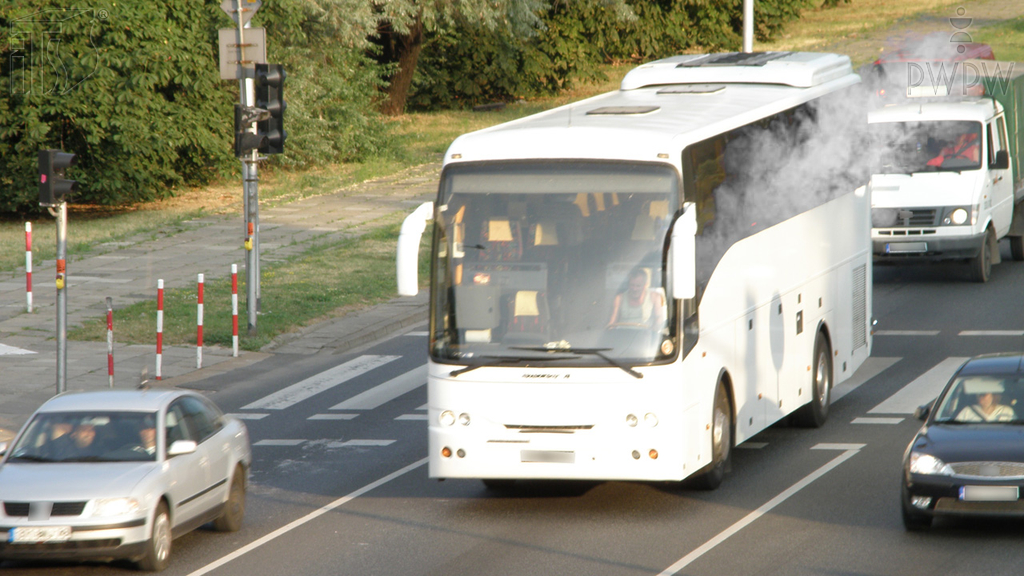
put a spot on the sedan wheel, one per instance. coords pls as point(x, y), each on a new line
point(234, 509)
point(158, 549)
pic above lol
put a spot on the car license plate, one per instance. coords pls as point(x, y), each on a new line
point(32, 535)
point(989, 493)
point(906, 248)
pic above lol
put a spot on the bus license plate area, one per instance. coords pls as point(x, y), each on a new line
point(548, 456)
point(34, 535)
point(906, 247)
point(989, 493)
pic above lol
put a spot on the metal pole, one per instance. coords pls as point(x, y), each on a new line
point(62, 298)
point(748, 25)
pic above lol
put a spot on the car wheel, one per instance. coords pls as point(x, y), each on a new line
point(814, 413)
point(915, 521)
point(981, 265)
point(158, 549)
point(234, 509)
point(721, 443)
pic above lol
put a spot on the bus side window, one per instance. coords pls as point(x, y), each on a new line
point(707, 161)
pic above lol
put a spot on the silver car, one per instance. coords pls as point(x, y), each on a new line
point(118, 474)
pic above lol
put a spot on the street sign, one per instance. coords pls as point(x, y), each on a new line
point(245, 11)
point(253, 51)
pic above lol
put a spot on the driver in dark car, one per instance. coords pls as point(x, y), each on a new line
point(986, 409)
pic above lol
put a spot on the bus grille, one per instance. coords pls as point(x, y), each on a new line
point(529, 429)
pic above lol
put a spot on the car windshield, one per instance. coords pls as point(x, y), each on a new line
point(87, 437)
point(983, 399)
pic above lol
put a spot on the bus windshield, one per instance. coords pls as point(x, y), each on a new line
point(931, 146)
point(559, 263)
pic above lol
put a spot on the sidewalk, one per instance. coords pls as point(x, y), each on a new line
point(128, 273)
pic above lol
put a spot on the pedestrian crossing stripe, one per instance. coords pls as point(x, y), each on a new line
point(6, 350)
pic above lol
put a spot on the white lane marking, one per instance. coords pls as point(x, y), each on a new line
point(424, 407)
point(764, 509)
point(250, 416)
point(6, 350)
point(991, 333)
point(290, 442)
point(839, 446)
point(412, 417)
point(752, 445)
point(313, 385)
point(923, 389)
point(308, 517)
point(417, 333)
point(869, 369)
point(347, 443)
point(387, 391)
point(869, 420)
point(332, 417)
point(906, 333)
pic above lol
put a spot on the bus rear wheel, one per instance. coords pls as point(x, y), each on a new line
point(711, 476)
point(814, 413)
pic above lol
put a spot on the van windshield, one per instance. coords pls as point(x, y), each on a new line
point(928, 146)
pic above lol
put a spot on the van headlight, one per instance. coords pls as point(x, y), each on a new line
point(958, 216)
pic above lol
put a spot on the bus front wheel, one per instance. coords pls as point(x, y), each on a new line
point(721, 443)
point(814, 413)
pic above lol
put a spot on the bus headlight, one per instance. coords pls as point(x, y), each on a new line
point(464, 419)
point(631, 420)
point(447, 418)
point(650, 419)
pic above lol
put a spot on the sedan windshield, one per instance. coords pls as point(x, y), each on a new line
point(560, 263)
point(909, 147)
point(87, 437)
point(982, 399)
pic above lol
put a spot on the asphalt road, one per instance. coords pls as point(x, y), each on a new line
point(339, 484)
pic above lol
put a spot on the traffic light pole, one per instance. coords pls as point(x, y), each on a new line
point(61, 213)
point(250, 199)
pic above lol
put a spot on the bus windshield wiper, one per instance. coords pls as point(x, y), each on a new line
point(494, 360)
point(599, 352)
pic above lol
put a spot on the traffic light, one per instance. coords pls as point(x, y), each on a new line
point(53, 188)
point(246, 141)
point(270, 97)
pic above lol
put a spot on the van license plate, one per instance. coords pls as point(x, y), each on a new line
point(906, 247)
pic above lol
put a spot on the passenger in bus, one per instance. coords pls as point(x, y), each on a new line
point(638, 305)
point(966, 147)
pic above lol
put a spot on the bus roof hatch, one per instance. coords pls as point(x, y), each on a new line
point(797, 69)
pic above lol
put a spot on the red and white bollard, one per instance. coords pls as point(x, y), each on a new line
point(110, 340)
point(159, 327)
point(199, 326)
point(28, 264)
point(234, 310)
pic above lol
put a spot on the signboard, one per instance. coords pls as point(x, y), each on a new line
point(234, 54)
point(245, 11)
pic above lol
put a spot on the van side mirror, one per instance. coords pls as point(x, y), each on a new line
point(684, 255)
point(1002, 161)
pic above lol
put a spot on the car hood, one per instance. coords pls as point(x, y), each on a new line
point(70, 481)
point(972, 442)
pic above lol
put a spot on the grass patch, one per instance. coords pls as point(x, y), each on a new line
point(326, 281)
point(1006, 39)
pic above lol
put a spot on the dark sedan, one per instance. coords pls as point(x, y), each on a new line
point(968, 458)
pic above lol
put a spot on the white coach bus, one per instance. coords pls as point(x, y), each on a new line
point(626, 287)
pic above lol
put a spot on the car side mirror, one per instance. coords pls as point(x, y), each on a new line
point(180, 447)
point(1002, 161)
point(3, 449)
point(922, 411)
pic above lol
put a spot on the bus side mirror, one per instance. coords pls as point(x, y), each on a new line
point(408, 254)
point(684, 255)
point(1002, 161)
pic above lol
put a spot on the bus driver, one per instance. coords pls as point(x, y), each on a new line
point(638, 305)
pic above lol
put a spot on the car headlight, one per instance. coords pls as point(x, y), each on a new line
point(114, 506)
point(921, 463)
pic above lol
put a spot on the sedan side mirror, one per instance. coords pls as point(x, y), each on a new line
point(3, 449)
point(180, 447)
point(922, 411)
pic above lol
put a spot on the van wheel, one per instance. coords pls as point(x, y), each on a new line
point(814, 413)
point(1017, 247)
point(981, 265)
point(711, 476)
